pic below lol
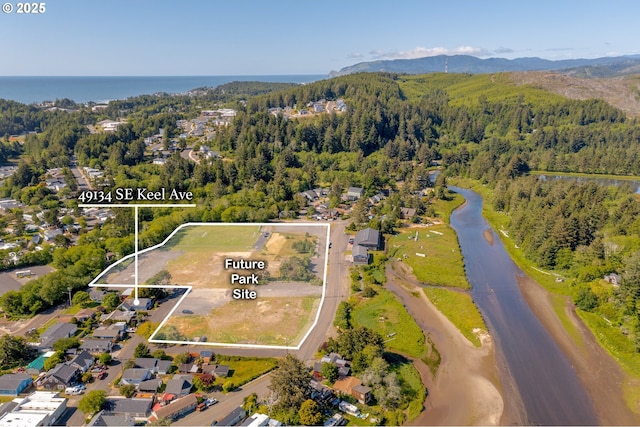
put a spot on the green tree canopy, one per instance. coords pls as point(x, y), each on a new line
point(93, 401)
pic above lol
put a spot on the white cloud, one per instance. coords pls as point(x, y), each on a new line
point(356, 55)
point(421, 52)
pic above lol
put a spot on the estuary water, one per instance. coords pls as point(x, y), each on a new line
point(549, 388)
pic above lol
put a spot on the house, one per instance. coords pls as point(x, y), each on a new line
point(261, 420)
point(310, 195)
point(118, 316)
point(59, 378)
point(143, 304)
point(188, 368)
point(150, 386)
point(206, 356)
point(40, 408)
point(95, 346)
point(354, 193)
point(37, 365)
point(360, 255)
point(209, 369)
point(83, 361)
point(177, 408)
point(111, 332)
point(159, 161)
point(56, 332)
point(102, 419)
point(96, 294)
point(362, 393)
point(345, 385)
point(138, 409)
point(613, 278)
point(221, 371)
point(50, 235)
point(233, 418)
point(368, 237)
point(157, 366)
point(179, 385)
point(135, 376)
point(14, 384)
point(407, 213)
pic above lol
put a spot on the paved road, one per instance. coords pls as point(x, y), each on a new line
point(83, 183)
point(227, 403)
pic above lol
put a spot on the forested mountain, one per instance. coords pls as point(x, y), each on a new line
point(597, 67)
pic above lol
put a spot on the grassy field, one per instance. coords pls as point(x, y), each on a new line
point(215, 237)
point(412, 386)
point(244, 369)
point(386, 315)
point(442, 263)
point(460, 310)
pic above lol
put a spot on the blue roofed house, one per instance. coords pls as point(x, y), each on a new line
point(14, 384)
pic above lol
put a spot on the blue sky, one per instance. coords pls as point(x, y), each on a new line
point(237, 37)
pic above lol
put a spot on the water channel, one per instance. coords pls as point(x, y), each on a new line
point(549, 388)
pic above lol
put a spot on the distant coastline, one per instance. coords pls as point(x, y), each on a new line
point(81, 89)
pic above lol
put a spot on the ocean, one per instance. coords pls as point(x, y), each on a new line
point(36, 89)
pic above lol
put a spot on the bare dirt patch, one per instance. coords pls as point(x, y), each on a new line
point(264, 321)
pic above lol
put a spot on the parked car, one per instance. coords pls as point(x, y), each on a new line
point(102, 375)
point(187, 311)
point(211, 401)
point(201, 407)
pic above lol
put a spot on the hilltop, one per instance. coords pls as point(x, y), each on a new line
point(621, 92)
point(598, 67)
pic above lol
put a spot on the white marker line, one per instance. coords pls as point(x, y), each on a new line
point(136, 220)
point(94, 283)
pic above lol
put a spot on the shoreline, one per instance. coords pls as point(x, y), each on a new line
point(467, 376)
point(600, 375)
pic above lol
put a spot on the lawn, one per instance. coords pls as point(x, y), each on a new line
point(386, 315)
point(460, 310)
point(434, 257)
point(244, 369)
point(214, 237)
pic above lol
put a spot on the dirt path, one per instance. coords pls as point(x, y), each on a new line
point(465, 390)
point(601, 376)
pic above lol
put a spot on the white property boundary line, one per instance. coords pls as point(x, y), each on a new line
point(94, 283)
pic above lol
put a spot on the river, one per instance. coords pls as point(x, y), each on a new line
point(546, 382)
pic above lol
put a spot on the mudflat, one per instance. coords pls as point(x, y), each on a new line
point(465, 389)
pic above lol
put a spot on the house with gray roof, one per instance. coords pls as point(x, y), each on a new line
point(59, 378)
point(137, 408)
point(180, 385)
point(135, 376)
point(360, 255)
point(83, 361)
point(102, 419)
point(14, 384)
point(368, 237)
point(56, 332)
point(177, 408)
point(354, 193)
point(150, 386)
point(157, 366)
point(95, 346)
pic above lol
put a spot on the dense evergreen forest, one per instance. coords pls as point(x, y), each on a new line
point(394, 129)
